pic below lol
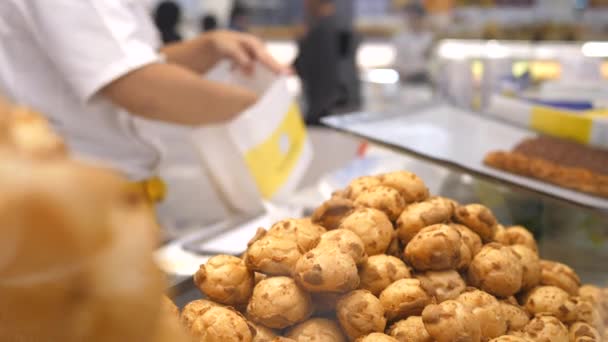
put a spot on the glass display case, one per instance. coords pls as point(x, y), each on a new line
point(566, 231)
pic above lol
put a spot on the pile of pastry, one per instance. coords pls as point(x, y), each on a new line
point(383, 261)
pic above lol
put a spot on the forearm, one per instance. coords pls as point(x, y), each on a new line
point(203, 52)
point(171, 93)
point(198, 54)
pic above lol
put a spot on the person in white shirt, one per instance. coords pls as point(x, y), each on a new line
point(92, 65)
point(413, 45)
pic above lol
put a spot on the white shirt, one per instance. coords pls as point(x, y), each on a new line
point(412, 48)
point(55, 56)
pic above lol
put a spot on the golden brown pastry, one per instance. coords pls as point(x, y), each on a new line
point(272, 255)
point(380, 271)
point(262, 334)
point(585, 311)
point(404, 298)
point(423, 214)
point(451, 321)
point(221, 324)
point(383, 198)
point(278, 303)
point(302, 231)
point(511, 338)
point(592, 293)
point(597, 299)
point(583, 332)
point(530, 266)
point(331, 213)
point(225, 279)
point(487, 311)
point(517, 235)
point(551, 300)
point(195, 309)
point(466, 256)
point(469, 237)
point(471, 245)
point(560, 275)
point(317, 329)
point(437, 248)
point(410, 330)
point(344, 241)
point(326, 270)
point(359, 313)
point(496, 270)
point(479, 219)
point(359, 185)
point(410, 186)
point(517, 318)
point(373, 227)
point(545, 328)
point(442, 285)
point(376, 337)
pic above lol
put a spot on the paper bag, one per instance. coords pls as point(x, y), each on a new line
point(262, 153)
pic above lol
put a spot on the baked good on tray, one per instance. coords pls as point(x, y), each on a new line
point(557, 161)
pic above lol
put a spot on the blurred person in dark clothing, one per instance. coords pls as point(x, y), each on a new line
point(167, 16)
point(209, 23)
point(326, 63)
point(239, 17)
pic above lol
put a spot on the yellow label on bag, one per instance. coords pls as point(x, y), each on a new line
point(561, 124)
point(597, 113)
point(272, 161)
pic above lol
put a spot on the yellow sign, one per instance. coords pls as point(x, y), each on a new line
point(561, 124)
point(272, 161)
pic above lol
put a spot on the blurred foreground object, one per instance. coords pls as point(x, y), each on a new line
point(28, 133)
point(76, 246)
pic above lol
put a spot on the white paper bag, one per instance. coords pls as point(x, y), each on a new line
point(264, 152)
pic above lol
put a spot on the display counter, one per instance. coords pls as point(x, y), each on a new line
point(567, 231)
point(406, 127)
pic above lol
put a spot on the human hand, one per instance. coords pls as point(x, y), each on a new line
point(243, 49)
